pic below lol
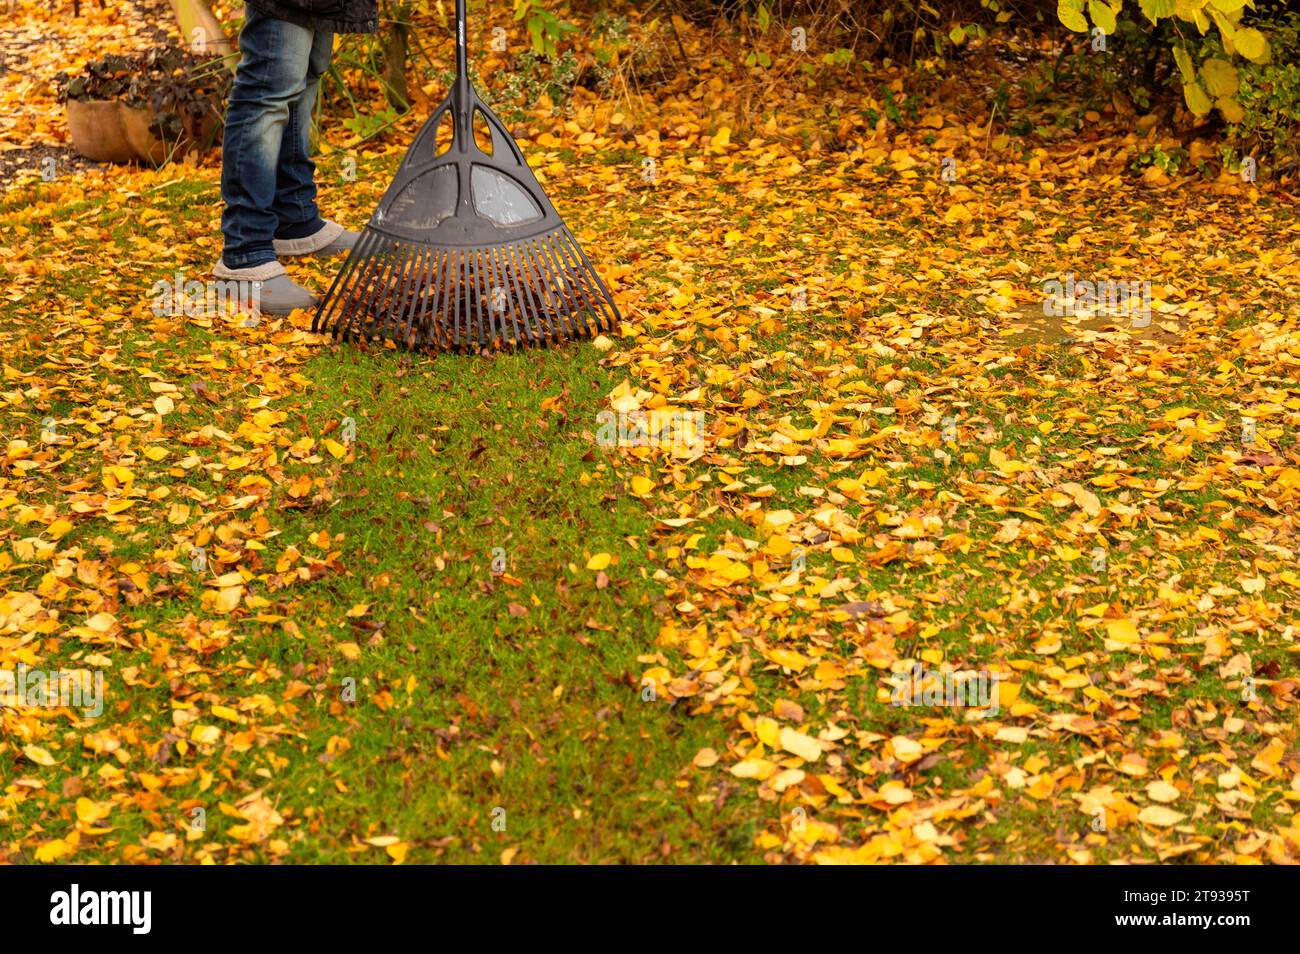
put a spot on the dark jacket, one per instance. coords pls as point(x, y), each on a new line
point(331, 16)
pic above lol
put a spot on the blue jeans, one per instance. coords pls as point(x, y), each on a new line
point(267, 176)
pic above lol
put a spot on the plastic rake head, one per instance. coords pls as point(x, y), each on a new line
point(465, 251)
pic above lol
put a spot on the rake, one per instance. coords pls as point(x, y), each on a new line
point(465, 251)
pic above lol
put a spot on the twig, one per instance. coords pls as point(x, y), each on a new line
point(676, 36)
point(989, 130)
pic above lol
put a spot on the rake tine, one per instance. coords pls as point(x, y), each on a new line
point(603, 297)
point(499, 304)
point(483, 281)
point(320, 321)
point(518, 291)
point(591, 308)
point(418, 290)
point(436, 326)
point(418, 305)
point(568, 313)
point(514, 296)
point(347, 293)
point(574, 279)
point(416, 285)
point(538, 305)
point(376, 289)
point(352, 308)
point(565, 292)
point(439, 302)
point(555, 302)
point(464, 303)
point(334, 297)
point(405, 290)
point(422, 327)
point(540, 301)
point(397, 303)
point(508, 315)
point(519, 297)
point(444, 311)
point(464, 300)
point(576, 284)
point(434, 310)
point(382, 299)
point(550, 300)
point(524, 294)
point(474, 301)
point(495, 315)
point(467, 298)
point(453, 306)
point(477, 321)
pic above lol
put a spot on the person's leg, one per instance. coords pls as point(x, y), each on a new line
point(301, 230)
point(295, 186)
point(271, 77)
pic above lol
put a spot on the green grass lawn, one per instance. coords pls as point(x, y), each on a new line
point(514, 692)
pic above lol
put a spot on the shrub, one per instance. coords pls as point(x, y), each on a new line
point(1269, 95)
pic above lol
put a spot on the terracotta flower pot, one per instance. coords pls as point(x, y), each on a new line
point(111, 131)
point(148, 147)
point(137, 120)
point(98, 131)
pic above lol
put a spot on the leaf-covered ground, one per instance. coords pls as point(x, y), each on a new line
point(380, 606)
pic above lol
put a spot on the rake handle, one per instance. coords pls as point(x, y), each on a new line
point(460, 94)
point(462, 56)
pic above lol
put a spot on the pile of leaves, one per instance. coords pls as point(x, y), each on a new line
point(180, 88)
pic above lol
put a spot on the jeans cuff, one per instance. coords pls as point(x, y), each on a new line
point(249, 259)
point(300, 229)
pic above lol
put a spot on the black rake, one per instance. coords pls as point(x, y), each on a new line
point(465, 251)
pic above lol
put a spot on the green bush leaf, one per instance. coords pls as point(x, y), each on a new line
point(1197, 101)
point(1070, 13)
point(1102, 15)
point(1185, 65)
point(1251, 44)
point(1227, 28)
point(1155, 9)
point(1219, 77)
point(1230, 109)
